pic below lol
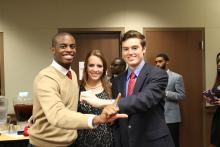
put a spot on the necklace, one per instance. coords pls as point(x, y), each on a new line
point(93, 87)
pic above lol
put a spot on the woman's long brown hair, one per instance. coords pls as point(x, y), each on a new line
point(105, 83)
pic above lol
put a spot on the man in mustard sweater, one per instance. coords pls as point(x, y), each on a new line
point(55, 99)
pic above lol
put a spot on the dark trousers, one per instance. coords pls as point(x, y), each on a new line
point(174, 131)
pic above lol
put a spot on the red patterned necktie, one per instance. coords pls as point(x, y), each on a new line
point(131, 84)
point(69, 74)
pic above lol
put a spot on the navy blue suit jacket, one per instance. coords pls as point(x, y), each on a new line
point(145, 125)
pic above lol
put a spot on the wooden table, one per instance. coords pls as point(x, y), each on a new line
point(13, 140)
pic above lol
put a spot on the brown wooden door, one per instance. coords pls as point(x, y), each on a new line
point(183, 47)
point(108, 41)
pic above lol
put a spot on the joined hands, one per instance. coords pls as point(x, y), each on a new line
point(109, 113)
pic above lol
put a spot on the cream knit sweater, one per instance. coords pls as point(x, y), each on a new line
point(55, 99)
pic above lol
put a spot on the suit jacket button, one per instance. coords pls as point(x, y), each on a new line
point(129, 126)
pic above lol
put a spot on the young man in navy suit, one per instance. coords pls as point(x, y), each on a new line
point(145, 126)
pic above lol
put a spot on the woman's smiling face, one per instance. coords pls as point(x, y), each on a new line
point(94, 68)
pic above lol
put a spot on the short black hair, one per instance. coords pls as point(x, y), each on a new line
point(164, 56)
point(122, 61)
point(59, 34)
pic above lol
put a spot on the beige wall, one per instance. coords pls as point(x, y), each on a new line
point(1, 64)
point(29, 25)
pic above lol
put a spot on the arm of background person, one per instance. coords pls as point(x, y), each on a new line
point(179, 93)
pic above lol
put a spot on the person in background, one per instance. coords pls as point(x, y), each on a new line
point(94, 82)
point(55, 97)
point(118, 66)
point(142, 88)
point(175, 93)
point(215, 100)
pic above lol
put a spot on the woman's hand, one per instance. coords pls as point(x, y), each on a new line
point(208, 100)
point(90, 98)
point(215, 101)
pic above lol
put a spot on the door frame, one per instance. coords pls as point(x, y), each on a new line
point(113, 30)
point(204, 108)
point(2, 76)
point(93, 31)
point(185, 29)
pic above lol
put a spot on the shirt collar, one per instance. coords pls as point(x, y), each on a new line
point(137, 70)
point(60, 68)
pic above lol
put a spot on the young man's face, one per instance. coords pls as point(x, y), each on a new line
point(133, 52)
point(64, 50)
point(160, 62)
point(117, 67)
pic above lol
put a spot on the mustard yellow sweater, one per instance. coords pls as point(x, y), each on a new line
point(55, 99)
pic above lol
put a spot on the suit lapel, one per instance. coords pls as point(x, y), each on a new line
point(141, 78)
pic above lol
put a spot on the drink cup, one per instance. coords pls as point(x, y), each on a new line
point(23, 110)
